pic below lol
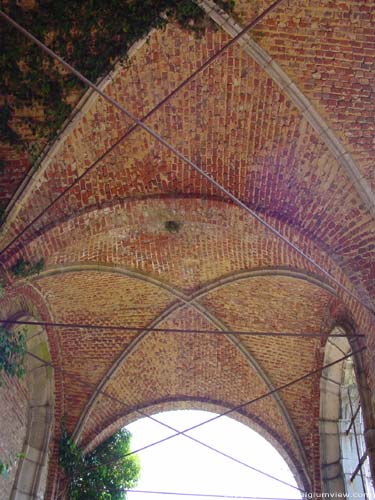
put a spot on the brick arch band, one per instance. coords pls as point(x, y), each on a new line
point(50, 243)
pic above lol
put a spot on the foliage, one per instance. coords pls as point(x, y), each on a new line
point(7, 134)
point(2, 213)
point(90, 35)
point(24, 268)
point(6, 467)
point(12, 353)
point(102, 474)
point(2, 287)
point(172, 226)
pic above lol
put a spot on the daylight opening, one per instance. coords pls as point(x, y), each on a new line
point(354, 459)
point(181, 465)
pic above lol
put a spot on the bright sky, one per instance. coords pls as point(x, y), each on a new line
point(180, 465)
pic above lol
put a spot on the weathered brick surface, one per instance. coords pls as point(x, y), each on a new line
point(232, 120)
point(215, 239)
point(24, 300)
point(13, 418)
point(107, 297)
point(97, 299)
point(327, 47)
point(299, 307)
point(13, 171)
point(186, 367)
point(109, 259)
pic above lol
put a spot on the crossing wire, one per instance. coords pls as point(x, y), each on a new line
point(154, 419)
point(206, 495)
point(212, 419)
point(122, 328)
point(182, 157)
point(187, 80)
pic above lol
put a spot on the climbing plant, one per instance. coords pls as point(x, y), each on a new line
point(5, 467)
point(24, 268)
point(91, 35)
point(102, 474)
point(12, 353)
point(2, 287)
point(172, 226)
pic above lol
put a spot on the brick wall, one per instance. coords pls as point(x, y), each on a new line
point(109, 259)
point(13, 418)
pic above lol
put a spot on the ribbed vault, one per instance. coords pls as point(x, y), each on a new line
point(111, 261)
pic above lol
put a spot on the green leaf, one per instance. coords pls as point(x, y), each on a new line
point(101, 474)
point(12, 353)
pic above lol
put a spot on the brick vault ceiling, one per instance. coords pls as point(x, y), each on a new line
point(110, 260)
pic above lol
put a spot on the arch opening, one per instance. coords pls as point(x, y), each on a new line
point(345, 461)
point(181, 465)
point(29, 415)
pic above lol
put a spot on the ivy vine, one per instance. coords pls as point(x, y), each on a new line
point(24, 268)
point(91, 35)
point(12, 356)
point(172, 226)
point(5, 467)
point(12, 353)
